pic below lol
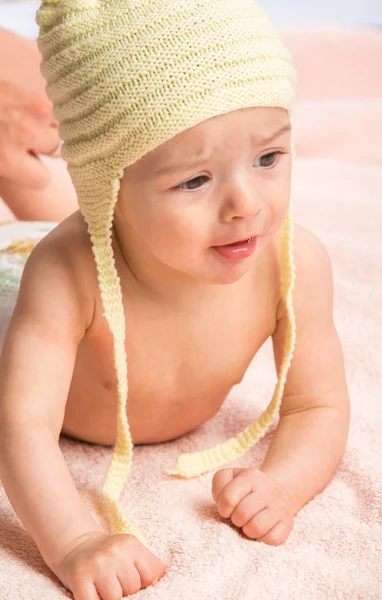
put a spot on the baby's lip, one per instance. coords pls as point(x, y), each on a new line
point(250, 238)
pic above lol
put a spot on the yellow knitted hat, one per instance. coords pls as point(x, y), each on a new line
point(124, 77)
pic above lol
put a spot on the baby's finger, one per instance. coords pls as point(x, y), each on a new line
point(248, 508)
point(220, 480)
point(232, 494)
point(130, 580)
point(278, 534)
point(149, 567)
point(260, 524)
point(109, 588)
point(85, 591)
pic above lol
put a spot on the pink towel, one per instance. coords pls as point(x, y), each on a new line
point(335, 549)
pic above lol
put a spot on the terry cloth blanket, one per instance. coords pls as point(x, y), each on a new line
point(335, 549)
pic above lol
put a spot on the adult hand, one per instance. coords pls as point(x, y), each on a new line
point(27, 129)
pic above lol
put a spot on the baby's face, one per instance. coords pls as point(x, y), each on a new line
point(221, 181)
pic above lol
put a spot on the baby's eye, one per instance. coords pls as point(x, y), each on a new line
point(191, 181)
point(267, 160)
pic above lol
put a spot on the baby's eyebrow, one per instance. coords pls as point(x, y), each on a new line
point(262, 141)
point(192, 160)
point(189, 161)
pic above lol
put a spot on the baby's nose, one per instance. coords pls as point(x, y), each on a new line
point(242, 202)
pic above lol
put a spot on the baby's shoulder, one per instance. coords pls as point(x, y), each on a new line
point(68, 245)
point(308, 249)
point(62, 263)
point(313, 269)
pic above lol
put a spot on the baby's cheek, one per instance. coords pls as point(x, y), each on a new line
point(175, 244)
point(183, 232)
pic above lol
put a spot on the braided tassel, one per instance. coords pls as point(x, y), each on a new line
point(111, 294)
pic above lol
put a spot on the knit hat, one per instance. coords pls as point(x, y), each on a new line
point(124, 77)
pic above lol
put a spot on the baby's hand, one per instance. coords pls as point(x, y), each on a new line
point(109, 567)
point(255, 502)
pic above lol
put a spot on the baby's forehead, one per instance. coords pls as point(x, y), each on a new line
point(230, 125)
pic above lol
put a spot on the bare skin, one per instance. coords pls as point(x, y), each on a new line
point(185, 388)
point(195, 320)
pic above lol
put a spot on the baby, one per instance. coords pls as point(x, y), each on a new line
point(175, 117)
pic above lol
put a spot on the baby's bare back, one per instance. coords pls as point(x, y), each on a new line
point(183, 358)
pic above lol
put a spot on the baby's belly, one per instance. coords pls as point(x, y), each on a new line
point(154, 416)
point(173, 388)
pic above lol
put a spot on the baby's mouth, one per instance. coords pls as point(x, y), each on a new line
point(241, 242)
point(247, 241)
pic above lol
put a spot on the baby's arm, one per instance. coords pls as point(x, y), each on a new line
point(35, 374)
point(52, 314)
point(311, 435)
